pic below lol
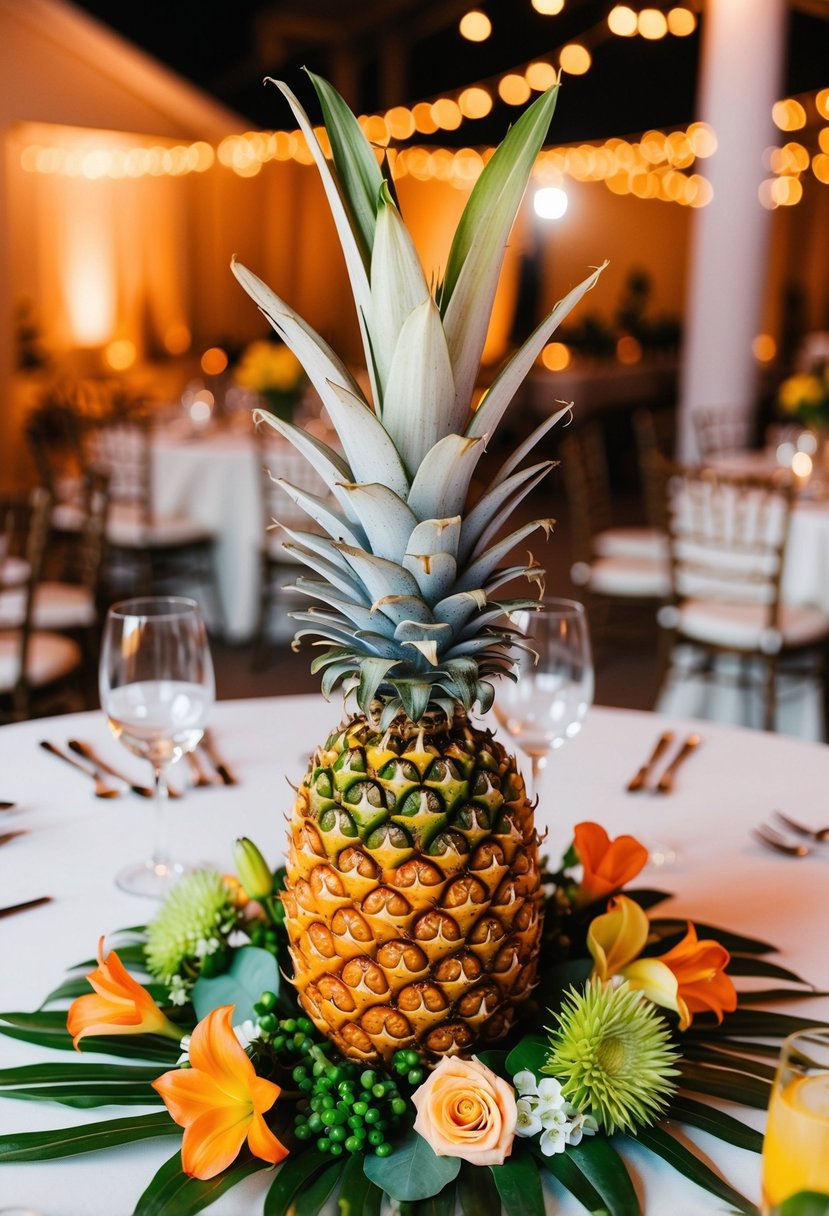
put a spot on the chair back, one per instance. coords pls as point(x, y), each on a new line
point(25, 529)
point(587, 485)
point(120, 451)
point(54, 434)
point(727, 535)
point(722, 429)
point(279, 459)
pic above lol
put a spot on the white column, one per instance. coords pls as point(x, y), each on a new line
point(740, 79)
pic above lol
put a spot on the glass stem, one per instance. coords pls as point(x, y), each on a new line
point(161, 850)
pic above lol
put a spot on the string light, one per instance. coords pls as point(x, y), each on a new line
point(548, 8)
point(622, 21)
point(574, 59)
point(475, 26)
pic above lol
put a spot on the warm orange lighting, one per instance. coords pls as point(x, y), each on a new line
point(703, 139)
point(214, 361)
point(375, 130)
point(622, 21)
point(119, 354)
point(446, 114)
point(764, 348)
point(475, 103)
point(540, 75)
point(786, 191)
point(475, 26)
point(423, 119)
point(702, 191)
point(177, 338)
point(765, 195)
point(788, 115)
point(823, 139)
point(801, 464)
point(556, 356)
point(400, 122)
point(681, 22)
point(574, 59)
point(820, 167)
point(652, 24)
point(513, 89)
point(548, 8)
point(822, 103)
point(628, 349)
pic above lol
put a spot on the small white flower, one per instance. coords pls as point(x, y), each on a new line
point(525, 1083)
point(206, 946)
point(553, 1140)
point(527, 1122)
point(184, 1058)
point(549, 1091)
point(581, 1125)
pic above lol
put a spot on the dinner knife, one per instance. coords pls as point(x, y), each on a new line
point(637, 782)
point(13, 909)
point(226, 775)
point(666, 782)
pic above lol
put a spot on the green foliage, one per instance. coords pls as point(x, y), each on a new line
point(413, 1170)
point(252, 971)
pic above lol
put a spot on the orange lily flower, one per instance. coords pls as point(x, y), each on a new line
point(606, 864)
point(219, 1100)
point(119, 1005)
point(699, 967)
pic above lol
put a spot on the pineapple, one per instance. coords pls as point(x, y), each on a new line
point(413, 900)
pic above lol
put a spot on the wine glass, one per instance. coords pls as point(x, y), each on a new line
point(547, 703)
point(156, 685)
point(796, 1145)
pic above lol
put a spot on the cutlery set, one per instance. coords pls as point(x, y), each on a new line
point(99, 770)
point(771, 837)
point(665, 784)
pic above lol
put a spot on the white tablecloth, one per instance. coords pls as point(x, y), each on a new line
point(75, 844)
point(214, 480)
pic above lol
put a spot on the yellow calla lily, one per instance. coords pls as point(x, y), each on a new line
point(616, 939)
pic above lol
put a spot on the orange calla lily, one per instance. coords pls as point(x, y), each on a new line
point(219, 1100)
point(616, 939)
point(699, 967)
point(606, 864)
point(119, 1005)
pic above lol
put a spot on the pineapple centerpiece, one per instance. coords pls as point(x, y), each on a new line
point(413, 900)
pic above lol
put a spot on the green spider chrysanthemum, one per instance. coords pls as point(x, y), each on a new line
point(195, 921)
point(612, 1053)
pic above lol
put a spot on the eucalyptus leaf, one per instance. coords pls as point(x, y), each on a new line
point(658, 1141)
point(173, 1193)
point(87, 1138)
point(252, 972)
point(519, 1185)
point(413, 1170)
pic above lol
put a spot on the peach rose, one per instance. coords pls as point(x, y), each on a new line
point(465, 1110)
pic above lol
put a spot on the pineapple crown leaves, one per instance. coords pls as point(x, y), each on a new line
point(405, 571)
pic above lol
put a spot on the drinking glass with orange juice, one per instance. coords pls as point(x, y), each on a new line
point(796, 1147)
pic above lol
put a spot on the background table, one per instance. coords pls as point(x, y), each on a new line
point(75, 844)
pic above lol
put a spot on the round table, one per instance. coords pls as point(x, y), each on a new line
point(74, 844)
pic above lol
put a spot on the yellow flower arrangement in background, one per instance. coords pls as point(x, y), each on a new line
point(805, 396)
point(273, 371)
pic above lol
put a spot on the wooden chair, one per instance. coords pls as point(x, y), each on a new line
point(612, 564)
point(33, 661)
point(145, 553)
point(722, 429)
point(728, 538)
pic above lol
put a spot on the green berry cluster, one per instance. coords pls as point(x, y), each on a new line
point(347, 1108)
point(342, 1107)
point(407, 1065)
point(264, 935)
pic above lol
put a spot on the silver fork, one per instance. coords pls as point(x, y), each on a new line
point(818, 835)
point(773, 840)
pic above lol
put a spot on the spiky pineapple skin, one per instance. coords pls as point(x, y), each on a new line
point(413, 898)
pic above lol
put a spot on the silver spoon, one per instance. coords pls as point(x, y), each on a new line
point(102, 790)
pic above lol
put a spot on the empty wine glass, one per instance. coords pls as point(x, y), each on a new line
point(157, 688)
point(547, 703)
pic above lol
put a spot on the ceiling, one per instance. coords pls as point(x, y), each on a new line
point(382, 53)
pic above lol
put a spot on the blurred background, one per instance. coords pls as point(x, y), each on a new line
point(143, 149)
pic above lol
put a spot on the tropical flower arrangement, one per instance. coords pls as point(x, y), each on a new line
point(805, 396)
point(635, 1024)
point(272, 370)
